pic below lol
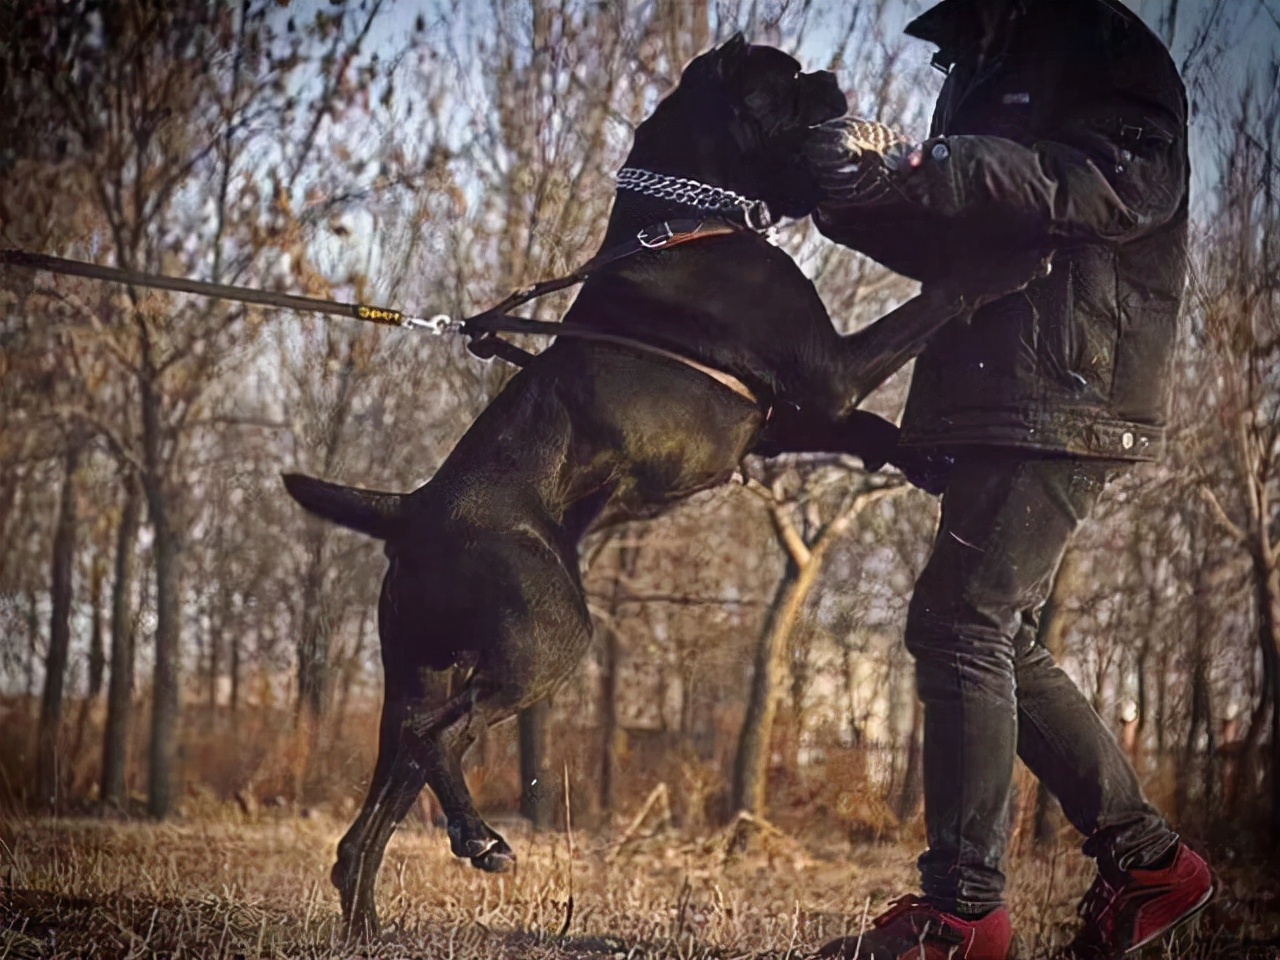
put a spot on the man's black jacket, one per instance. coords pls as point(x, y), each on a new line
point(1061, 126)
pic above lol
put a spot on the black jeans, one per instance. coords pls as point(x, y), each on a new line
point(989, 689)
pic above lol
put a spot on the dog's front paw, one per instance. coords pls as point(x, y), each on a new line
point(930, 470)
point(873, 439)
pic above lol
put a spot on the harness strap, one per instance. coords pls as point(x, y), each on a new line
point(488, 346)
point(484, 327)
point(720, 376)
point(491, 346)
point(669, 233)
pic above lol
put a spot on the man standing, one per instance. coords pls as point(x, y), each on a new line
point(1060, 131)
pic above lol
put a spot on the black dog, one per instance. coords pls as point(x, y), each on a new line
point(484, 570)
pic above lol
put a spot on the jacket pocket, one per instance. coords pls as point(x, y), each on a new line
point(1144, 357)
point(1054, 302)
point(1085, 322)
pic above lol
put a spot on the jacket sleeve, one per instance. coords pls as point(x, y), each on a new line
point(1112, 174)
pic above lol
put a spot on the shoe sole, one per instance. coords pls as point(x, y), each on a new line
point(1189, 915)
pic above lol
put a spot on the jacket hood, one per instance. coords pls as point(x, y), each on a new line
point(957, 25)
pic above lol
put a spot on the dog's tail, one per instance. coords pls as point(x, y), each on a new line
point(368, 511)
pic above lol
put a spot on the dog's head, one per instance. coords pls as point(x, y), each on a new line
point(738, 119)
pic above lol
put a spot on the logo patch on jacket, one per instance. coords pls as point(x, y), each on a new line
point(1009, 98)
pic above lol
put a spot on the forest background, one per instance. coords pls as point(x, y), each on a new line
point(176, 636)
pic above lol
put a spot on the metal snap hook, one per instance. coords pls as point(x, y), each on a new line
point(653, 237)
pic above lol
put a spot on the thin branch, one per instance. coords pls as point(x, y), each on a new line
point(103, 429)
point(675, 598)
point(1219, 514)
point(94, 321)
point(790, 536)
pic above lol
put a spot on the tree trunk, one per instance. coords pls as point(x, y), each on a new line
point(912, 792)
point(115, 745)
point(1144, 654)
point(1200, 717)
point(64, 549)
point(751, 765)
point(1266, 707)
point(167, 556)
point(1267, 588)
point(33, 643)
point(628, 556)
point(351, 669)
point(537, 799)
point(97, 655)
point(1273, 772)
point(609, 654)
point(165, 692)
point(804, 564)
point(313, 640)
point(1162, 704)
point(215, 663)
point(233, 668)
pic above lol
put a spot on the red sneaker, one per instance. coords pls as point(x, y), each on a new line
point(1125, 910)
point(913, 930)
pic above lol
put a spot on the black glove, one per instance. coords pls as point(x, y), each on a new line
point(854, 160)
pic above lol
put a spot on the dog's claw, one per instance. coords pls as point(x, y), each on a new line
point(362, 924)
point(479, 847)
point(495, 860)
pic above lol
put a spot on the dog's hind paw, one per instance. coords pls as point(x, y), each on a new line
point(499, 859)
point(478, 846)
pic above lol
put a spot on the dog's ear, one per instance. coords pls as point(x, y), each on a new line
point(724, 62)
point(731, 56)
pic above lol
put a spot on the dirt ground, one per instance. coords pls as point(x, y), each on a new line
point(232, 886)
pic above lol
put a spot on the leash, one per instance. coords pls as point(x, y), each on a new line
point(482, 328)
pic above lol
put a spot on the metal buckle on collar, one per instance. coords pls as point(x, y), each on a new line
point(757, 216)
point(655, 236)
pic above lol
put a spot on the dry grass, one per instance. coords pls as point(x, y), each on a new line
point(220, 884)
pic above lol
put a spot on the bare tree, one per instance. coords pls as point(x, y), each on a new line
point(805, 556)
point(120, 683)
point(1238, 310)
point(64, 546)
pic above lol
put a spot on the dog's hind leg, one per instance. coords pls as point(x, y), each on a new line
point(469, 833)
point(422, 742)
point(396, 783)
point(393, 788)
point(440, 739)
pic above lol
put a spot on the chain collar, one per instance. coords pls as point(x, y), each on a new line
point(691, 193)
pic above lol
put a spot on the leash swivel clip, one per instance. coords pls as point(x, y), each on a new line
point(438, 325)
